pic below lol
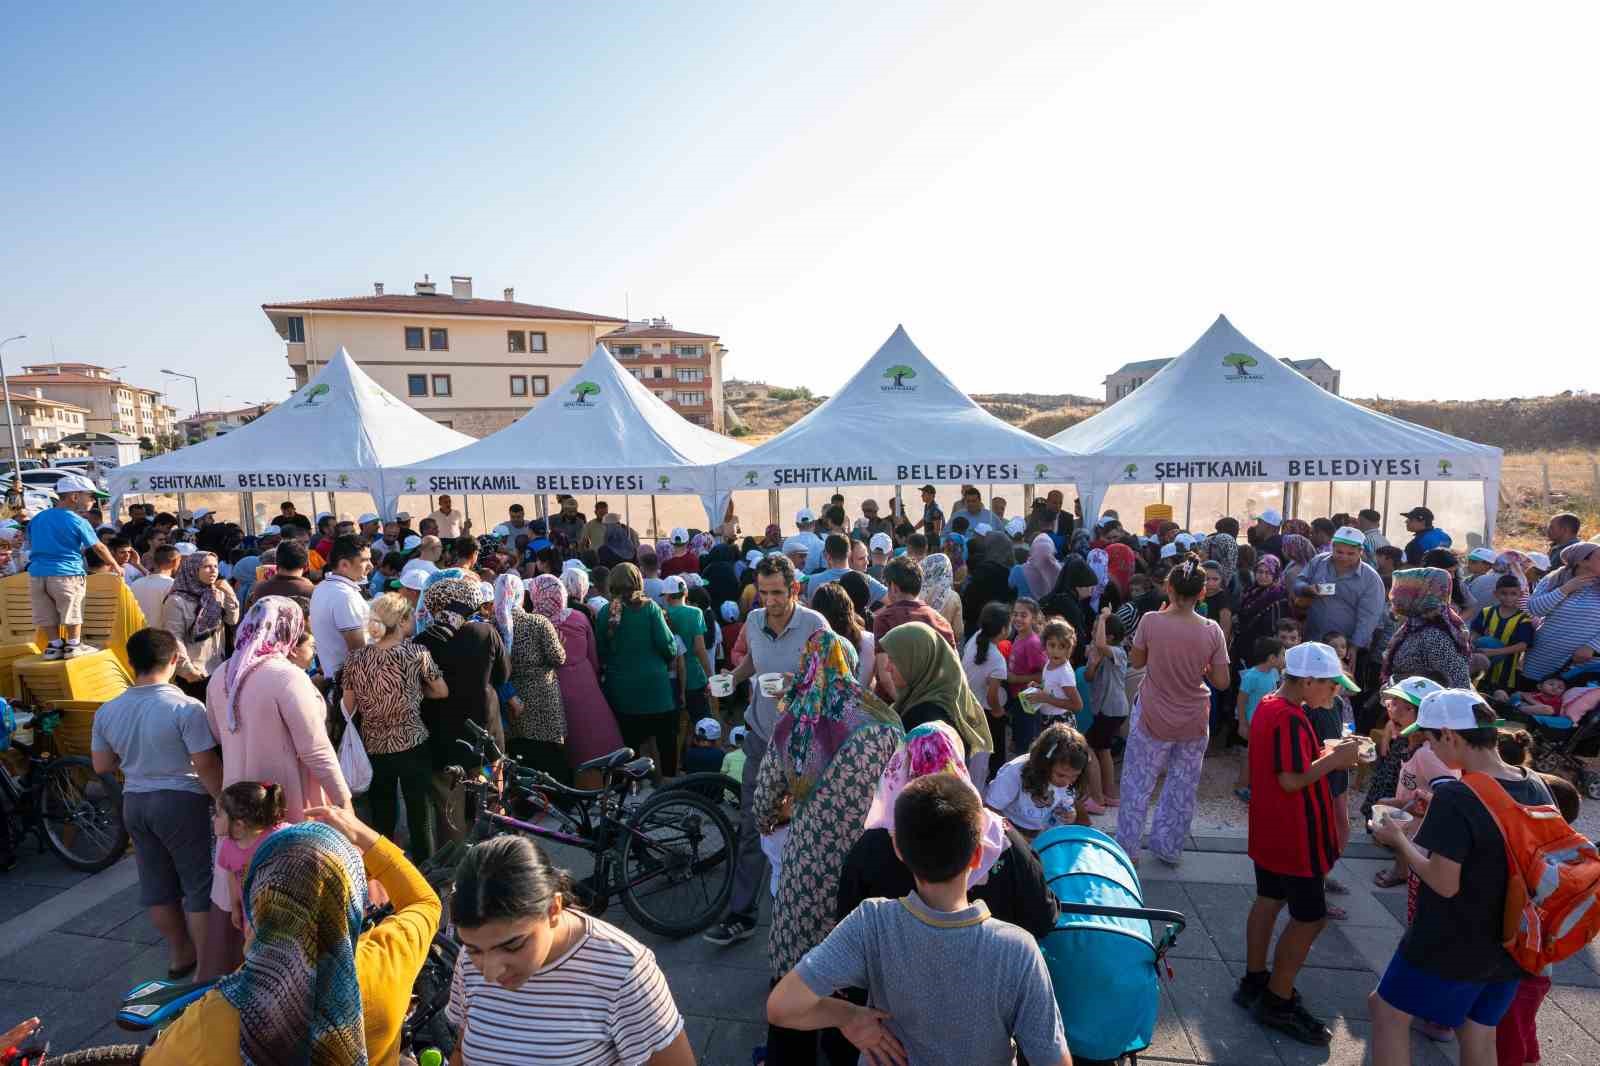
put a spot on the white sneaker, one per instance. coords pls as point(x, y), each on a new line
point(53, 650)
point(72, 651)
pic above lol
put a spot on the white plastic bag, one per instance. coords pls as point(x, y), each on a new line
point(353, 758)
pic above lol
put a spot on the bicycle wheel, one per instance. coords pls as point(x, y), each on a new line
point(677, 863)
point(82, 814)
point(719, 788)
point(110, 1055)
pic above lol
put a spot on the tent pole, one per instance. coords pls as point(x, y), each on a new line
point(627, 511)
point(1227, 498)
point(1385, 525)
point(1372, 495)
point(180, 509)
point(655, 524)
point(1163, 492)
point(1330, 497)
point(1188, 504)
point(772, 507)
point(1027, 499)
point(1424, 494)
point(899, 503)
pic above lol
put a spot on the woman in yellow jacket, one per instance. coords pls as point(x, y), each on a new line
point(313, 988)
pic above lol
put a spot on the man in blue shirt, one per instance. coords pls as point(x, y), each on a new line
point(836, 553)
point(1424, 536)
point(57, 539)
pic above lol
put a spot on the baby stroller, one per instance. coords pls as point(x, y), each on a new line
point(1104, 954)
point(1560, 745)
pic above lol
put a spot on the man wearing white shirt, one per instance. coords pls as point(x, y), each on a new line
point(451, 523)
point(151, 590)
point(338, 609)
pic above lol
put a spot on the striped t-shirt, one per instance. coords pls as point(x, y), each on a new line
point(603, 1003)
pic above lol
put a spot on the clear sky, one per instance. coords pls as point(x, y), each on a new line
point(1039, 192)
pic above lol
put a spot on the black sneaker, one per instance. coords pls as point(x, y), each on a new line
point(1293, 1020)
point(730, 931)
point(1250, 989)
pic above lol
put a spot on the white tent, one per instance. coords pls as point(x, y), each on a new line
point(898, 421)
point(336, 434)
point(602, 433)
point(1227, 411)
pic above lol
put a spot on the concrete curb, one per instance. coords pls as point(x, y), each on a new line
point(60, 909)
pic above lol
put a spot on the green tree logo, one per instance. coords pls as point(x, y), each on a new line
point(411, 484)
point(1240, 363)
point(750, 477)
point(311, 397)
point(1040, 470)
point(583, 390)
point(133, 484)
point(899, 373)
point(1444, 468)
point(1130, 470)
point(663, 481)
point(344, 480)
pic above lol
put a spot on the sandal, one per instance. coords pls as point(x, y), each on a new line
point(1388, 879)
point(1335, 888)
point(1338, 914)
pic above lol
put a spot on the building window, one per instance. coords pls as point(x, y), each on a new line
point(692, 399)
point(441, 384)
point(536, 342)
point(519, 385)
point(541, 385)
point(516, 341)
point(690, 351)
point(658, 372)
point(413, 338)
point(416, 384)
point(438, 340)
point(446, 423)
point(626, 351)
point(297, 330)
point(691, 375)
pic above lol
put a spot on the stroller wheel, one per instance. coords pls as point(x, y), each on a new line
point(1591, 785)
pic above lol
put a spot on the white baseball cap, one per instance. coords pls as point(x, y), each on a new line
point(1350, 535)
point(1483, 555)
point(321, 515)
point(736, 735)
point(693, 581)
point(804, 515)
point(1413, 689)
point(74, 483)
point(9, 533)
point(1539, 559)
point(796, 546)
point(272, 531)
point(402, 516)
point(414, 577)
point(1016, 526)
point(368, 517)
point(754, 556)
point(673, 586)
point(708, 729)
point(1271, 516)
point(183, 547)
point(411, 543)
point(880, 542)
point(1318, 661)
point(679, 535)
point(1451, 708)
point(414, 565)
point(199, 513)
point(1169, 551)
point(1184, 540)
point(730, 611)
point(485, 593)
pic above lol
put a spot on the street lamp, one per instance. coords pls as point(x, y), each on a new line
point(11, 419)
point(196, 381)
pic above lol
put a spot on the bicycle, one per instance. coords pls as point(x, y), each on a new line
point(72, 810)
point(669, 858)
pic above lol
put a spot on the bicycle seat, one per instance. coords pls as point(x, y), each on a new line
point(608, 762)
point(151, 1004)
point(639, 767)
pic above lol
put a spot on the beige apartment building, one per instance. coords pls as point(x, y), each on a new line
point(203, 425)
point(40, 421)
point(114, 405)
point(683, 368)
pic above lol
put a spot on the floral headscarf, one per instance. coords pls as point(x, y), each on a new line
point(1298, 526)
point(1223, 549)
point(937, 579)
point(1122, 563)
point(423, 614)
point(701, 543)
point(273, 627)
point(1298, 548)
point(575, 579)
point(933, 748)
point(549, 598)
point(298, 999)
point(1258, 598)
point(663, 550)
point(208, 598)
point(451, 601)
point(1082, 540)
point(1100, 563)
point(508, 590)
point(1042, 567)
point(1514, 563)
point(825, 705)
point(1421, 598)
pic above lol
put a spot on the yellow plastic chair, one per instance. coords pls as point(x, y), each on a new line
point(16, 630)
point(110, 616)
point(92, 678)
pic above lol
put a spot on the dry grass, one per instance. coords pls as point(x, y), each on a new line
point(1573, 484)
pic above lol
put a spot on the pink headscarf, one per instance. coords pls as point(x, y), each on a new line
point(549, 597)
point(273, 627)
point(507, 598)
point(1042, 569)
point(1514, 563)
point(934, 748)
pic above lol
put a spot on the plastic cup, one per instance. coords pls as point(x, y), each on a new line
point(1382, 812)
point(721, 685)
point(771, 684)
point(1368, 752)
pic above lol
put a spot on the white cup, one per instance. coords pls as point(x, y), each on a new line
point(1327, 589)
point(721, 685)
point(1382, 812)
point(771, 684)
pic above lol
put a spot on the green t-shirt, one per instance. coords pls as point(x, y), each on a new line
point(689, 622)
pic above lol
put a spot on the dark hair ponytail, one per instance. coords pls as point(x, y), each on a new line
point(1187, 578)
point(992, 621)
point(257, 803)
point(506, 878)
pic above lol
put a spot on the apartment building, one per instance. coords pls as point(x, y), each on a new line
point(40, 421)
point(683, 368)
point(204, 425)
point(114, 405)
point(473, 364)
point(1130, 376)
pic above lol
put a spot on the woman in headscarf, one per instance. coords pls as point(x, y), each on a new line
point(1121, 563)
point(197, 611)
point(475, 663)
point(953, 546)
point(313, 988)
point(636, 647)
point(989, 564)
point(575, 582)
point(829, 748)
point(591, 727)
point(1038, 575)
point(271, 724)
point(1431, 639)
point(1073, 592)
point(1223, 549)
point(931, 686)
point(619, 544)
point(938, 591)
point(1260, 607)
point(536, 725)
point(1297, 552)
point(1100, 563)
point(771, 539)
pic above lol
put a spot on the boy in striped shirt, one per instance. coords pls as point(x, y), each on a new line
point(1502, 632)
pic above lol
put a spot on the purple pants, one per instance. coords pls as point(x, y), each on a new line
point(1142, 763)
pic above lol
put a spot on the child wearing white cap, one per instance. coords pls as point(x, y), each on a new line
point(704, 753)
point(57, 578)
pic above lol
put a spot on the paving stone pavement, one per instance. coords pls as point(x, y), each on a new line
point(72, 976)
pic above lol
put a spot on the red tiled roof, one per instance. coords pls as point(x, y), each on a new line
point(658, 333)
point(438, 304)
point(72, 379)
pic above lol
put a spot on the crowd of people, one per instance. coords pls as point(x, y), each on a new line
point(906, 700)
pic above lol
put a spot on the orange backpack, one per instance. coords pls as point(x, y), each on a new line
point(1553, 881)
